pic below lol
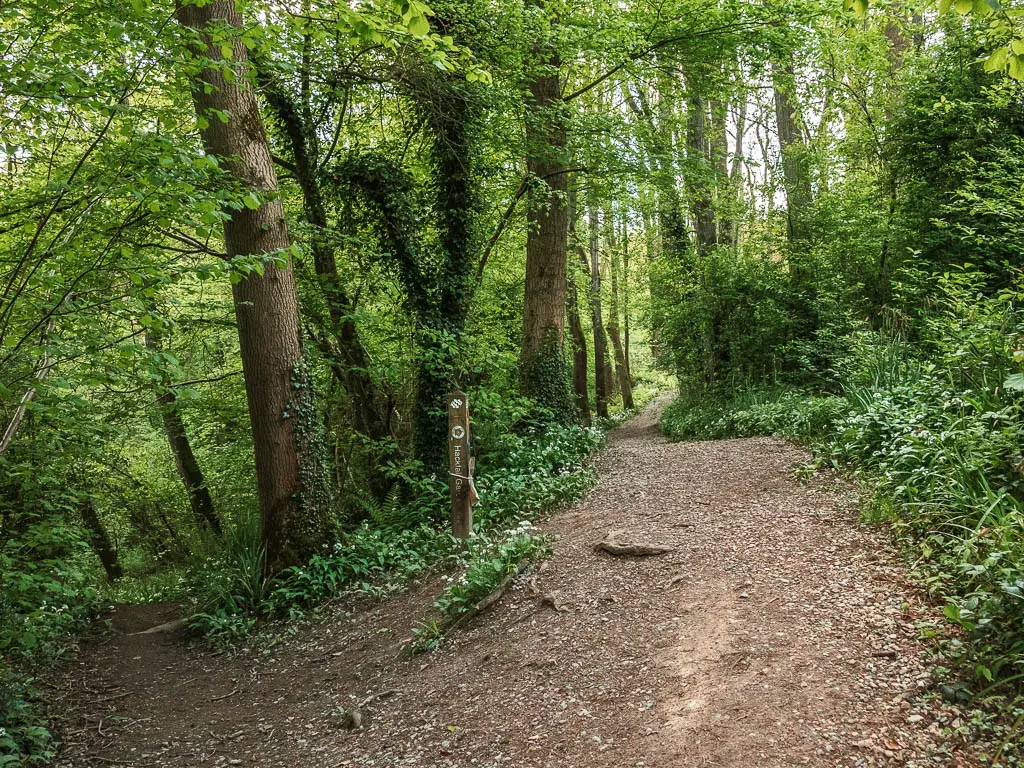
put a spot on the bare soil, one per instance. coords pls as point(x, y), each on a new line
point(777, 631)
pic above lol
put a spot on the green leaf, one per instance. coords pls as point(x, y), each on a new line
point(964, 7)
point(996, 61)
point(251, 201)
point(419, 26)
point(1016, 68)
point(945, 5)
point(1017, 46)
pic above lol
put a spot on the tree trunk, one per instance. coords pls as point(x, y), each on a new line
point(675, 238)
point(453, 121)
point(614, 334)
point(347, 357)
point(795, 172)
point(184, 459)
point(601, 378)
point(736, 172)
point(572, 305)
point(542, 363)
point(698, 176)
point(99, 540)
point(626, 303)
point(289, 479)
point(720, 162)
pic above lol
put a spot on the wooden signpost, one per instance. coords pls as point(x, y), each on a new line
point(460, 465)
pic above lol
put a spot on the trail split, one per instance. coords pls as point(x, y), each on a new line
point(770, 629)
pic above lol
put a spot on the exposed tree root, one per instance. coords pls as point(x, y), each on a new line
point(170, 626)
point(613, 545)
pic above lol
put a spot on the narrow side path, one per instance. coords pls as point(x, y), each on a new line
point(776, 632)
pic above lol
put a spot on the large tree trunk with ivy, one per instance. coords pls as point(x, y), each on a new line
point(343, 349)
point(453, 120)
point(191, 475)
point(288, 476)
point(601, 377)
point(542, 362)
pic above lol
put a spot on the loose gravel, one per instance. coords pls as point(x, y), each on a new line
point(776, 631)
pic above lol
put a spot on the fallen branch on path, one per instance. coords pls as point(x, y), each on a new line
point(170, 626)
point(379, 695)
point(613, 545)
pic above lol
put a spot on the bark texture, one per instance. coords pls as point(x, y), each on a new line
point(601, 378)
point(572, 311)
point(266, 307)
point(542, 363)
point(795, 171)
point(614, 332)
point(698, 178)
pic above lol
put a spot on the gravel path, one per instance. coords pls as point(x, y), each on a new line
point(776, 632)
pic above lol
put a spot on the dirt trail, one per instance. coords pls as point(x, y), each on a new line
point(778, 632)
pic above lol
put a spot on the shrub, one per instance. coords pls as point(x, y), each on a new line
point(524, 472)
point(782, 413)
point(488, 561)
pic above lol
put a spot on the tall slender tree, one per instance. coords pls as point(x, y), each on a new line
point(602, 384)
point(572, 311)
point(614, 332)
point(185, 461)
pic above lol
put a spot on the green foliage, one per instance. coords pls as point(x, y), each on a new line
point(957, 148)
point(786, 413)
point(488, 561)
point(843, 319)
point(24, 740)
point(45, 598)
point(726, 317)
point(521, 476)
point(937, 437)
